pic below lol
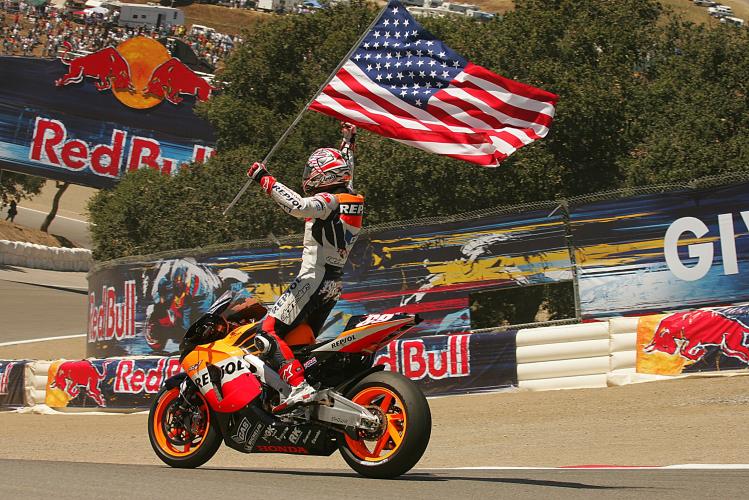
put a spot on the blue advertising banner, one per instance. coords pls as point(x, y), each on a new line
point(66, 120)
point(662, 252)
point(145, 307)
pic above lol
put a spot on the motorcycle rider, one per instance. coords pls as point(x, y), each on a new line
point(333, 218)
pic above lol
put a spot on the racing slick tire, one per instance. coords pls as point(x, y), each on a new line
point(404, 435)
point(174, 443)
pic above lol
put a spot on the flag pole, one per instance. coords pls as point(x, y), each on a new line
point(306, 107)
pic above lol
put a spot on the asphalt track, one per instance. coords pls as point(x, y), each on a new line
point(33, 311)
point(75, 230)
point(33, 479)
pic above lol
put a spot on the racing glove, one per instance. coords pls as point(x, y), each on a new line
point(258, 173)
point(348, 130)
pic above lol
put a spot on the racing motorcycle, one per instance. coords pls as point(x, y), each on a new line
point(379, 420)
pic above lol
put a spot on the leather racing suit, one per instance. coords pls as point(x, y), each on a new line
point(332, 223)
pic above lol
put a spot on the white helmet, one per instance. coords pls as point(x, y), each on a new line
point(326, 167)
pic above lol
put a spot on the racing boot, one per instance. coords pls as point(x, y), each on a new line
point(301, 392)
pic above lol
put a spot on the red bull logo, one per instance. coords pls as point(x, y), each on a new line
point(130, 379)
point(140, 72)
point(111, 319)
point(72, 377)
point(689, 334)
point(414, 360)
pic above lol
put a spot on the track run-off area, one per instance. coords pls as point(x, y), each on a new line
point(690, 421)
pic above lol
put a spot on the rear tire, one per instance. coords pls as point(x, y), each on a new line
point(405, 437)
point(175, 445)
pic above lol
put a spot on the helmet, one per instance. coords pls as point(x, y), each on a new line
point(325, 168)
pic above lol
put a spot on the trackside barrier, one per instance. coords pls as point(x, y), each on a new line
point(19, 253)
point(586, 355)
point(36, 382)
point(563, 357)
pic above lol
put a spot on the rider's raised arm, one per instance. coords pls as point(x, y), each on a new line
point(318, 206)
point(348, 147)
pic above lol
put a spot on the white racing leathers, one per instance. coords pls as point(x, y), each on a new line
point(333, 222)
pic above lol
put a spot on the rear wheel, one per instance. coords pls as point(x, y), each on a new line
point(182, 435)
point(402, 438)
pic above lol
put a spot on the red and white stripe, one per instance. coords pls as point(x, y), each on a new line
point(481, 117)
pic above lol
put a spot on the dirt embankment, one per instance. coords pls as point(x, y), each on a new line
point(14, 232)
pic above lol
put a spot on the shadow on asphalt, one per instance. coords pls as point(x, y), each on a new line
point(427, 477)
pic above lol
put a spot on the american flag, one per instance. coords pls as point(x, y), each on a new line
point(403, 83)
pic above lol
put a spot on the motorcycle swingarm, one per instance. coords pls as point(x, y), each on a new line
point(342, 413)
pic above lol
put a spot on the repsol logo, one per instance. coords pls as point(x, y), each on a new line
point(352, 208)
point(343, 341)
point(287, 196)
point(230, 368)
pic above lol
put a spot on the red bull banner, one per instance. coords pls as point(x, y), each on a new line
point(107, 383)
point(12, 377)
point(711, 339)
point(144, 307)
point(455, 364)
point(92, 118)
point(444, 364)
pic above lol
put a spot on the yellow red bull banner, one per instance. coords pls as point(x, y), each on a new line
point(710, 339)
point(91, 118)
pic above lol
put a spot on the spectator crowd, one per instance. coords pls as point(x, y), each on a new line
point(27, 30)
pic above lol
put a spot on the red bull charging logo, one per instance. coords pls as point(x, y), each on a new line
point(140, 72)
point(671, 343)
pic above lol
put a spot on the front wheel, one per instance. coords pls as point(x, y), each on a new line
point(404, 434)
point(182, 434)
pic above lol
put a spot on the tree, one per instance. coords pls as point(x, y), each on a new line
point(644, 98)
point(15, 186)
point(61, 187)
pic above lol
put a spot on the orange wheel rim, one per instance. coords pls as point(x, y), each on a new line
point(172, 438)
point(382, 447)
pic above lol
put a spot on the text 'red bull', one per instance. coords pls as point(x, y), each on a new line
point(111, 319)
point(416, 361)
point(50, 145)
point(129, 379)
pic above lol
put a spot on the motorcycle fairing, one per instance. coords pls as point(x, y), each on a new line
point(366, 338)
point(222, 375)
point(253, 431)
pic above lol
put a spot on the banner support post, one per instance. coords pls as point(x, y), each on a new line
point(306, 106)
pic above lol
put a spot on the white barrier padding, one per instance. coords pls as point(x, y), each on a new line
point(20, 253)
point(551, 384)
point(36, 382)
point(567, 350)
point(623, 325)
point(624, 342)
point(620, 360)
point(628, 376)
point(563, 368)
point(559, 334)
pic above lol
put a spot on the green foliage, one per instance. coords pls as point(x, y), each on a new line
point(15, 186)
point(644, 98)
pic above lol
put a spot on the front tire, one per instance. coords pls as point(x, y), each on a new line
point(399, 445)
point(180, 438)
